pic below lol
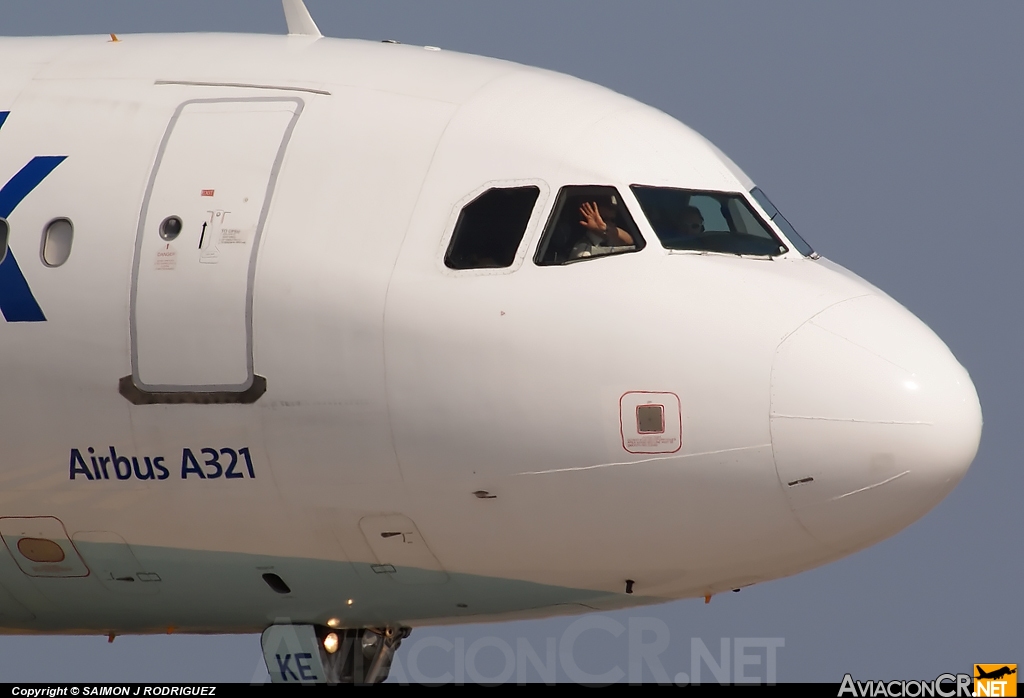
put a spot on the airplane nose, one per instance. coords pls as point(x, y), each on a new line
point(873, 421)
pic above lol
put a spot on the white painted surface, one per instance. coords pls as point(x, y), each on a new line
point(398, 386)
point(215, 175)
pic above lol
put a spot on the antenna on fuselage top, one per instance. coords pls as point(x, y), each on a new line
point(300, 23)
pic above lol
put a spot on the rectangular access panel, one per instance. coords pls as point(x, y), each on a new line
point(41, 547)
point(196, 248)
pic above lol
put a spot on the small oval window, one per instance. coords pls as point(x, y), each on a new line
point(5, 233)
point(40, 550)
point(170, 228)
point(57, 239)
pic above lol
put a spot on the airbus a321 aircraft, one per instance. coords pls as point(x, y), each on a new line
point(330, 339)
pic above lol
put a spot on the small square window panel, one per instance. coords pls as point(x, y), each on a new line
point(650, 422)
point(650, 419)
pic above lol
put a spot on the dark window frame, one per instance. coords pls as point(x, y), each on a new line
point(452, 255)
point(547, 234)
point(744, 197)
point(795, 239)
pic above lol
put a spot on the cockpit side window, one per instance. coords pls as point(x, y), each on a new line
point(490, 228)
point(778, 219)
point(706, 221)
point(587, 222)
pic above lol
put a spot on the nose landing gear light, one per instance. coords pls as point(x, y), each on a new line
point(318, 654)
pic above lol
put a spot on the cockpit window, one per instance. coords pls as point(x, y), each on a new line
point(706, 221)
point(588, 222)
point(778, 219)
point(490, 228)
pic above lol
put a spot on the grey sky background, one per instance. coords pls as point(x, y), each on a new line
point(889, 135)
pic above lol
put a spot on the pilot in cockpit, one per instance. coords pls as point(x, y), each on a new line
point(691, 222)
point(600, 231)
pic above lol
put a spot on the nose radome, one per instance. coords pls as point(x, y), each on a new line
point(873, 421)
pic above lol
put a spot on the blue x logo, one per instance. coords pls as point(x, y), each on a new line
point(16, 300)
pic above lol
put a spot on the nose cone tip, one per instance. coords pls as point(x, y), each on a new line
point(873, 420)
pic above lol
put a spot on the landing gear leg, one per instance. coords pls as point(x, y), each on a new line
point(360, 655)
point(380, 667)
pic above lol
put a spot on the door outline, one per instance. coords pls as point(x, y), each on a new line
point(71, 545)
point(132, 387)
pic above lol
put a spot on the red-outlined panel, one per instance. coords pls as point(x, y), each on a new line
point(669, 440)
point(42, 528)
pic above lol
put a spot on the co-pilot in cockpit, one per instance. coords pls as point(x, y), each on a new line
point(706, 221)
point(593, 221)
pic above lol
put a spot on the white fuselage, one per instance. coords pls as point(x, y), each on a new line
point(419, 444)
